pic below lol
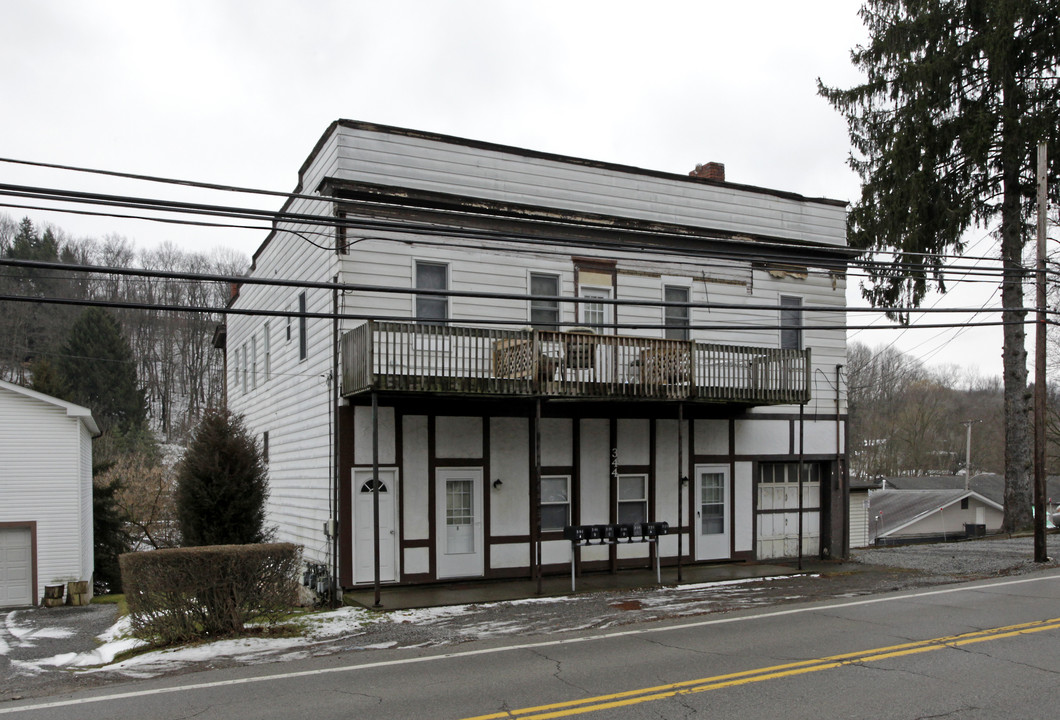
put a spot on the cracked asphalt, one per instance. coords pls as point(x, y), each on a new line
point(30, 635)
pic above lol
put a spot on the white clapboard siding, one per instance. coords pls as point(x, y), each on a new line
point(446, 165)
point(293, 404)
point(46, 456)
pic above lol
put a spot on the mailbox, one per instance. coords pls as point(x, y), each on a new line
point(574, 533)
point(654, 529)
point(624, 531)
point(607, 532)
point(592, 532)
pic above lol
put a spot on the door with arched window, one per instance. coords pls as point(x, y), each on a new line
point(363, 526)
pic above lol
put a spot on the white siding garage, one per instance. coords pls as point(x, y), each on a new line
point(46, 491)
point(16, 566)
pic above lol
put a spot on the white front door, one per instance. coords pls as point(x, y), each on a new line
point(363, 534)
point(712, 517)
point(458, 522)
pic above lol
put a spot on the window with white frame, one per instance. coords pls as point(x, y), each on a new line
point(432, 309)
point(555, 502)
point(544, 314)
point(676, 317)
point(596, 315)
point(253, 361)
point(266, 349)
point(790, 322)
point(632, 498)
point(237, 364)
point(244, 367)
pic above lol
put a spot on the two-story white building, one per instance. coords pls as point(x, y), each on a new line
point(522, 341)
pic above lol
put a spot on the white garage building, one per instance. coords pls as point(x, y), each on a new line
point(45, 493)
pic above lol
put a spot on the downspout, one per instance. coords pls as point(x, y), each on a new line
point(333, 427)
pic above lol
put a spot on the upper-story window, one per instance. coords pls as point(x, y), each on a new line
point(676, 317)
point(544, 314)
point(243, 369)
point(303, 329)
point(432, 276)
point(790, 322)
point(253, 361)
point(267, 350)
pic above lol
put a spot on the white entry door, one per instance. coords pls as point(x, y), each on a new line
point(363, 534)
point(458, 522)
point(712, 517)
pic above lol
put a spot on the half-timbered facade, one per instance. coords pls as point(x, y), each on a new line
point(481, 345)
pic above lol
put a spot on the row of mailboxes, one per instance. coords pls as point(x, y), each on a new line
point(630, 532)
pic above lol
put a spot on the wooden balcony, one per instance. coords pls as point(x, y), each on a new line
point(448, 359)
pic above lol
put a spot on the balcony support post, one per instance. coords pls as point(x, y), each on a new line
point(537, 491)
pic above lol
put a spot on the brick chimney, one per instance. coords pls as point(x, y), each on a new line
point(709, 171)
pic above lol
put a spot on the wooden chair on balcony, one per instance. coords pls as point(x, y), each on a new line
point(666, 365)
point(580, 351)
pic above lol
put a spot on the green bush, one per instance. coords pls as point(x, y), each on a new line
point(184, 594)
point(222, 485)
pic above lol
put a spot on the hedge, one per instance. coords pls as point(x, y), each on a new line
point(184, 594)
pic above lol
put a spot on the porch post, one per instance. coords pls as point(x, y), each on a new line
point(537, 491)
point(802, 408)
point(375, 494)
point(680, 485)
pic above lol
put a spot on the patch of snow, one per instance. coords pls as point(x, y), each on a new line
point(54, 633)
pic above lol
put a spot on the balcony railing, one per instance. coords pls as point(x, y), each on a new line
point(415, 358)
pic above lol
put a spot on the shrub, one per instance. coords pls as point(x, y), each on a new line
point(222, 485)
point(183, 594)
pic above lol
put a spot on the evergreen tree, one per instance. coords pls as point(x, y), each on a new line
point(48, 380)
point(222, 485)
point(109, 537)
point(957, 95)
point(100, 371)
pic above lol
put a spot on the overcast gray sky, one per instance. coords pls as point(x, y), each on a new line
point(237, 92)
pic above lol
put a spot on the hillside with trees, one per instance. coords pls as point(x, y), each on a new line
point(908, 419)
point(180, 374)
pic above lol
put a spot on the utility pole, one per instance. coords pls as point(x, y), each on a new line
point(968, 455)
point(1040, 554)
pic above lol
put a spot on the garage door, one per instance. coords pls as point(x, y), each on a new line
point(16, 567)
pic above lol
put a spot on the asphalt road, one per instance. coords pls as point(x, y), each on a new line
point(987, 649)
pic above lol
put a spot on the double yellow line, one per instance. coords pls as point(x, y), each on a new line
point(717, 682)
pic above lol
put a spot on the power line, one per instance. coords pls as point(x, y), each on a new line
point(476, 294)
point(291, 195)
point(815, 255)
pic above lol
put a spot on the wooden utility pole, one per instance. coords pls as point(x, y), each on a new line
point(1040, 554)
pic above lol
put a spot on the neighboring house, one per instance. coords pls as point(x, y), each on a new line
point(858, 513)
point(904, 516)
point(45, 493)
point(567, 366)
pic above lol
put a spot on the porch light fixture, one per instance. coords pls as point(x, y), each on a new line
point(497, 483)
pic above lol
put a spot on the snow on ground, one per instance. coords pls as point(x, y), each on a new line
point(351, 628)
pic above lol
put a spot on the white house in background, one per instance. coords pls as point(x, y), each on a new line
point(518, 315)
point(45, 493)
point(903, 516)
